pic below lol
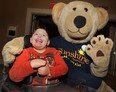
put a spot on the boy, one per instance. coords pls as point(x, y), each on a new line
point(40, 61)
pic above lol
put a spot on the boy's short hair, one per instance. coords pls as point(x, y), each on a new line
point(42, 27)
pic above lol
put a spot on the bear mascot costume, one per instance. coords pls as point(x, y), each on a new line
point(87, 56)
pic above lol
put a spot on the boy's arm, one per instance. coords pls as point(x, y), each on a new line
point(21, 68)
point(60, 67)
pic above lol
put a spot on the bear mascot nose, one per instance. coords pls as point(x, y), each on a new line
point(79, 21)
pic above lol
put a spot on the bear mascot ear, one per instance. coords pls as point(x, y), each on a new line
point(103, 17)
point(56, 11)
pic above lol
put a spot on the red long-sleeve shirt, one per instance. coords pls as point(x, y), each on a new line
point(22, 68)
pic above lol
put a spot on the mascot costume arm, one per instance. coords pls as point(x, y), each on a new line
point(100, 54)
point(11, 49)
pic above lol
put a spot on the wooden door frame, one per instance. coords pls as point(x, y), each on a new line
point(31, 11)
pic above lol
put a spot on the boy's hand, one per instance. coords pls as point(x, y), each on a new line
point(44, 70)
point(37, 63)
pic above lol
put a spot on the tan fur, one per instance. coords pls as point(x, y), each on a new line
point(104, 88)
point(104, 15)
point(11, 49)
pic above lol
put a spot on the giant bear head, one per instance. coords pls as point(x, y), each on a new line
point(78, 21)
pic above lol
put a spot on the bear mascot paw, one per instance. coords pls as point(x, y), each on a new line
point(11, 49)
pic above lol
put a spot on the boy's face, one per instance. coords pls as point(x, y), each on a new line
point(40, 39)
